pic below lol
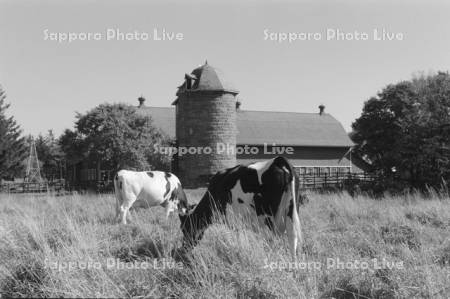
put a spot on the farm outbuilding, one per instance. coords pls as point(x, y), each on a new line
point(207, 113)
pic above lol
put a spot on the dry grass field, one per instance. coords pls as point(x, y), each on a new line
point(354, 248)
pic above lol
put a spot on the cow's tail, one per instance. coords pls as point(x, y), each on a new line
point(118, 194)
point(297, 229)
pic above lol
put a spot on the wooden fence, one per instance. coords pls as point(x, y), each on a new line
point(307, 182)
point(337, 180)
point(32, 187)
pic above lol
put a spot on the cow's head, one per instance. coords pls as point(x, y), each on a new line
point(177, 201)
point(182, 202)
point(194, 223)
point(188, 226)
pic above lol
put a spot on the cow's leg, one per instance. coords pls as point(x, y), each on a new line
point(292, 237)
point(118, 209)
point(125, 207)
point(118, 195)
point(169, 206)
point(130, 215)
point(294, 224)
point(123, 215)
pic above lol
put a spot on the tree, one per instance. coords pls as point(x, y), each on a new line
point(12, 146)
point(404, 131)
point(71, 145)
point(115, 136)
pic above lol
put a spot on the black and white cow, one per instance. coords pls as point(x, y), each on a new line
point(268, 188)
point(155, 188)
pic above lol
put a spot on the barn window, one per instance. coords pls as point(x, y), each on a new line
point(343, 170)
point(324, 171)
point(91, 174)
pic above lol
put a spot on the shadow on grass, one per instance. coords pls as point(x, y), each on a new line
point(253, 289)
point(426, 218)
point(400, 234)
point(148, 248)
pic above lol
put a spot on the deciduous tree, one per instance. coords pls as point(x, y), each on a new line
point(405, 131)
point(117, 137)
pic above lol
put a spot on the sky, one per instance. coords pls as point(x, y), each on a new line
point(48, 81)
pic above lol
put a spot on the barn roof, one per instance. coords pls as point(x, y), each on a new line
point(259, 127)
point(290, 128)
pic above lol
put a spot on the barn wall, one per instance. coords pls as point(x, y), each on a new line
point(304, 156)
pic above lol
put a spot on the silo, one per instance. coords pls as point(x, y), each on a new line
point(205, 125)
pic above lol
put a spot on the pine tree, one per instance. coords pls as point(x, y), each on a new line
point(12, 144)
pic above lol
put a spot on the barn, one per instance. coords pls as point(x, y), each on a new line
point(206, 113)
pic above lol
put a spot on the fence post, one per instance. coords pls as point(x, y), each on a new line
point(314, 180)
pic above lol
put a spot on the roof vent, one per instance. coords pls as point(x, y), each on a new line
point(321, 109)
point(141, 100)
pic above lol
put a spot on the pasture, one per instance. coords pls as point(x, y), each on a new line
point(353, 248)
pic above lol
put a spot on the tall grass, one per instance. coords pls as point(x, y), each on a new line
point(234, 259)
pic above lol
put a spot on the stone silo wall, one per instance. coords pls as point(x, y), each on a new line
point(206, 121)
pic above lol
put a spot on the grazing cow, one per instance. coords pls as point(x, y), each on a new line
point(268, 188)
point(155, 188)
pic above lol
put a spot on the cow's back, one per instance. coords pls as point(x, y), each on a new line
point(157, 185)
point(151, 187)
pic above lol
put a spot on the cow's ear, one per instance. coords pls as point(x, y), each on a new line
point(182, 218)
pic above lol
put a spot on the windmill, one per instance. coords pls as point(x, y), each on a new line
point(33, 170)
